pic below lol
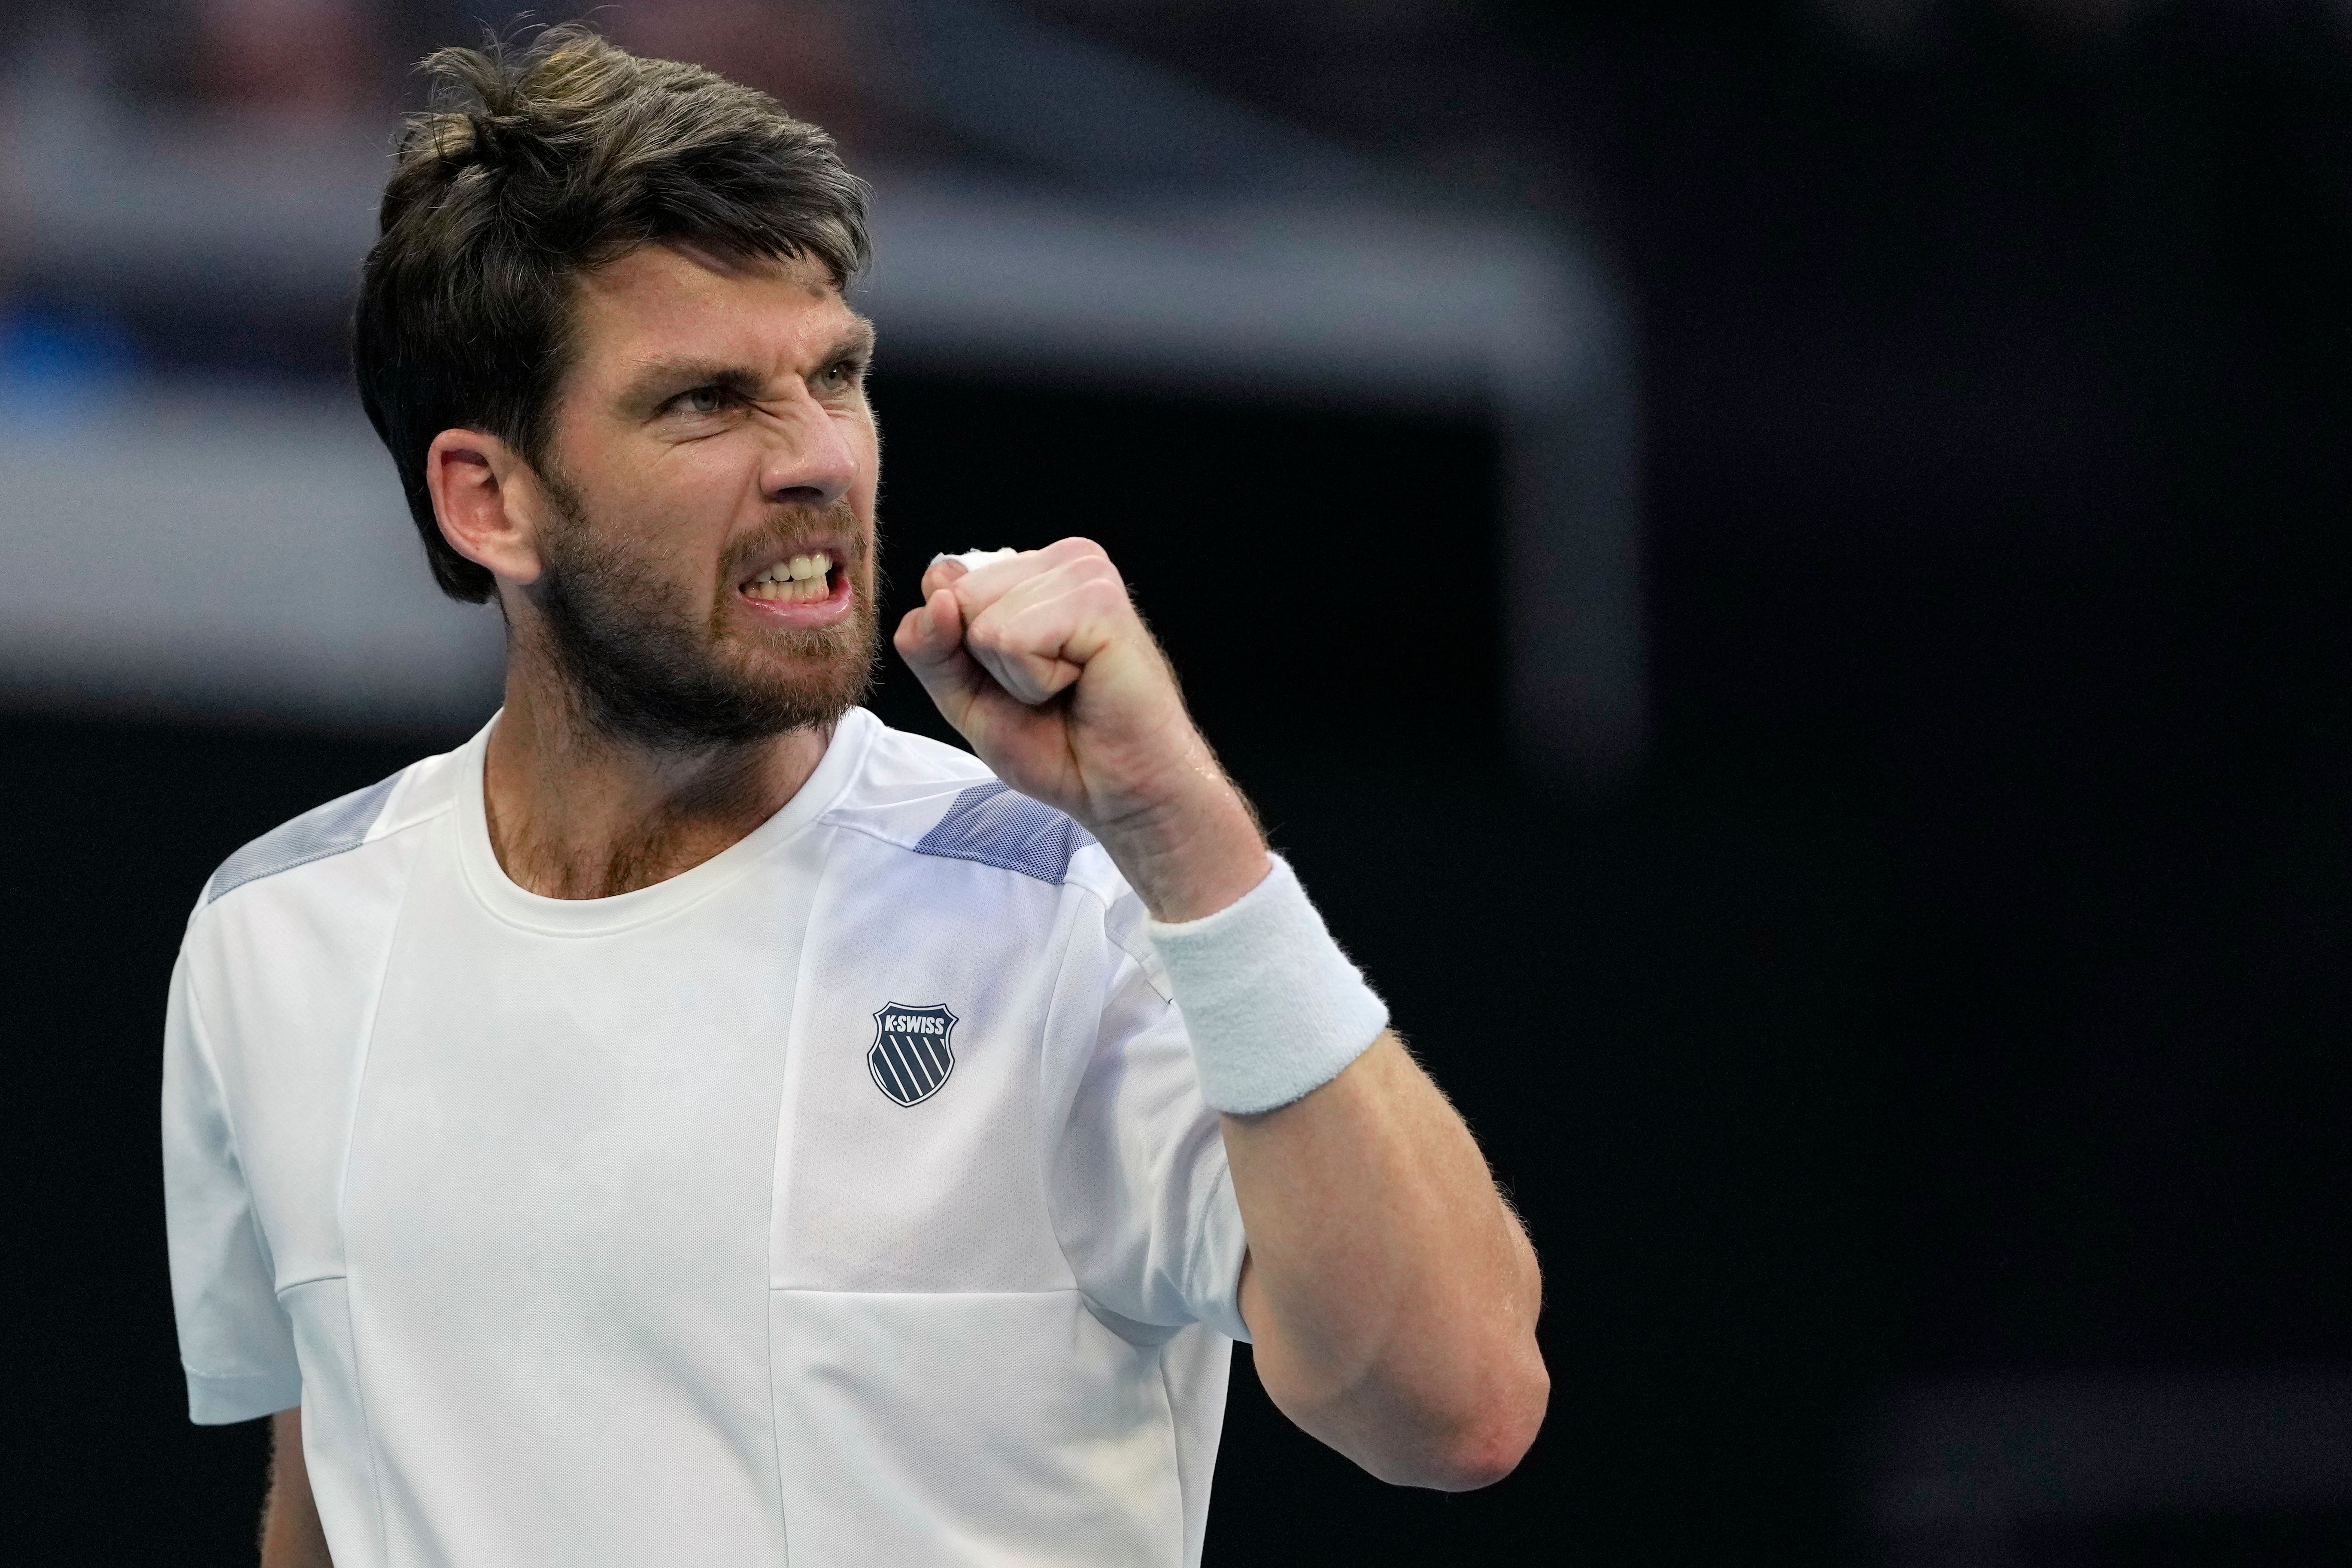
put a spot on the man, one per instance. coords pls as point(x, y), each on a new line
point(693, 1122)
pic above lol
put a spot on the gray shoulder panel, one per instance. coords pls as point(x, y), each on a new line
point(330, 830)
point(991, 824)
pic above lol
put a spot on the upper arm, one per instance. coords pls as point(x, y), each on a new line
point(292, 1535)
point(237, 1345)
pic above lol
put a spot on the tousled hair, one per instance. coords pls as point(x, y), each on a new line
point(536, 164)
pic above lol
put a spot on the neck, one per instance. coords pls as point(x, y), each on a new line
point(577, 813)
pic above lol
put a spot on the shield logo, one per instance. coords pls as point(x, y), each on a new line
point(913, 1050)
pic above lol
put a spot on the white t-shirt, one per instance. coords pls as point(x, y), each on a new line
point(847, 1200)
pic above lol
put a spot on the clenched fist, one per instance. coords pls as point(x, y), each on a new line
point(1040, 662)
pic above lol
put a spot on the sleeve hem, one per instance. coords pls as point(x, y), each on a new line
point(221, 1401)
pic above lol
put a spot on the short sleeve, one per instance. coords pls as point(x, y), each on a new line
point(235, 1343)
point(1142, 1200)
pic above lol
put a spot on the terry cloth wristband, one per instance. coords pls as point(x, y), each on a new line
point(1273, 1007)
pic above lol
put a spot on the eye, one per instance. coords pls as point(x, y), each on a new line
point(842, 373)
point(701, 400)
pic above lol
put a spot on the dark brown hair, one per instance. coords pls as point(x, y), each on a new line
point(532, 167)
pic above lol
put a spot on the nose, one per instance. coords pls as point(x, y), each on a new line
point(809, 460)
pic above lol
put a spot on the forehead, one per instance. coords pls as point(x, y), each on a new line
point(663, 301)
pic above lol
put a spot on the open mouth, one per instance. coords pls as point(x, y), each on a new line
point(796, 580)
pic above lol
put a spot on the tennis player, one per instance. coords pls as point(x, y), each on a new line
point(694, 1122)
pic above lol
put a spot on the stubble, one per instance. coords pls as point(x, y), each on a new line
point(646, 669)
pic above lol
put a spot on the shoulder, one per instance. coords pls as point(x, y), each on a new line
point(381, 812)
point(936, 802)
point(934, 837)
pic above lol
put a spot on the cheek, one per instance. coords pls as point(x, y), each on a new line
point(682, 504)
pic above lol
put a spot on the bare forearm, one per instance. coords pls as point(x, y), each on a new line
point(292, 1535)
point(1389, 1291)
point(1392, 1294)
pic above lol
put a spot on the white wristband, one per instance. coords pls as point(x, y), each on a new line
point(1273, 1007)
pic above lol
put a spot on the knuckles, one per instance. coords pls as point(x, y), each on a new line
point(1072, 586)
point(987, 636)
point(1076, 547)
point(1084, 560)
point(1083, 587)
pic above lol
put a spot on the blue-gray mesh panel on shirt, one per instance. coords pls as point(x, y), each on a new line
point(993, 826)
point(330, 830)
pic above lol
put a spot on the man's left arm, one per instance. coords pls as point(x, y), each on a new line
point(1390, 1293)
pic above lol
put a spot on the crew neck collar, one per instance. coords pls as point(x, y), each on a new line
point(579, 917)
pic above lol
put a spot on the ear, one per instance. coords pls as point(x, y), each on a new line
point(488, 502)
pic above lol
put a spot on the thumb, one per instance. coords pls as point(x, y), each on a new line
point(930, 639)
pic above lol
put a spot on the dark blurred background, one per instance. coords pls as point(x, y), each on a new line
point(1818, 689)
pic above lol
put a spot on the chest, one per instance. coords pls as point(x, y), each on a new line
point(834, 1078)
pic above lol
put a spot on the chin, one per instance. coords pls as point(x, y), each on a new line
point(806, 690)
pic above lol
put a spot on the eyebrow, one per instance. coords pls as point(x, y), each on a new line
point(856, 343)
point(658, 377)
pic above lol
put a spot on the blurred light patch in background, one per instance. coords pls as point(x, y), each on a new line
point(202, 523)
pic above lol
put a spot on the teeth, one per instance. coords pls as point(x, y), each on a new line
point(789, 582)
point(784, 590)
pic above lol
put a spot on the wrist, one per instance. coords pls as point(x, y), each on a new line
point(1273, 1008)
point(1189, 854)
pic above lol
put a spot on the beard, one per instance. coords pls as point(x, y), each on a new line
point(646, 669)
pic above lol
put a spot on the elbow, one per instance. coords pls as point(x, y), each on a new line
point(1484, 1449)
point(1460, 1424)
point(1481, 1463)
point(1484, 1439)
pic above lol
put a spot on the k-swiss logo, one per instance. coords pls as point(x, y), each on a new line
point(912, 1053)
